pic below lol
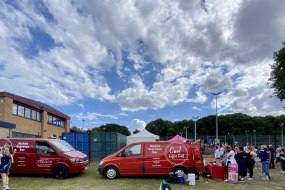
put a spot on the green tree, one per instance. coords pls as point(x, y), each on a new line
point(136, 131)
point(159, 127)
point(277, 76)
point(113, 128)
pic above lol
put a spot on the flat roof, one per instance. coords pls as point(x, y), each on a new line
point(35, 104)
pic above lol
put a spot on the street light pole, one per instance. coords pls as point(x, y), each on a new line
point(281, 125)
point(186, 131)
point(195, 126)
point(254, 137)
point(246, 132)
point(217, 129)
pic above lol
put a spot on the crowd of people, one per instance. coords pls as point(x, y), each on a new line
point(6, 158)
point(249, 157)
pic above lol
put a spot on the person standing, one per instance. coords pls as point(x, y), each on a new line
point(272, 158)
point(5, 167)
point(282, 159)
point(264, 155)
point(217, 153)
point(277, 155)
point(250, 161)
point(241, 159)
point(230, 160)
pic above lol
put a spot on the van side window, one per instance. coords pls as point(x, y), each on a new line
point(44, 148)
point(133, 150)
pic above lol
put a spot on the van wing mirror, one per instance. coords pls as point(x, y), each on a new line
point(122, 154)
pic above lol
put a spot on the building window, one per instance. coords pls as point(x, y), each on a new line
point(27, 112)
point(14, 111)
point(21, 111)
point(55, 121)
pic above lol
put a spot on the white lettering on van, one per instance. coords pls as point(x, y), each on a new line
point(176, 153)
point(22, 146)
point(21, 161)
point(154, 148)
point(44, 163)
point(173, 151)
point(156, 162)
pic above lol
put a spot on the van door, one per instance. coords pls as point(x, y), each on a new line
point(131, 160)
point(198, 158)
point(45, 158)
point(155, 162)
point(23, 156)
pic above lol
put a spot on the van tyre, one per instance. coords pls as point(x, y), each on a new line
point(111, 172)
point(179, 171)
point(60, 172)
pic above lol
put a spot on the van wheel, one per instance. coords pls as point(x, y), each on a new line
point(111, 172)
point(179, 171)
point(60, 172)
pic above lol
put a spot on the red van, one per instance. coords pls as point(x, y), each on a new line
point(46, 156)
point(153, 158)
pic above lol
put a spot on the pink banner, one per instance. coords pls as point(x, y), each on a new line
point(233, 173)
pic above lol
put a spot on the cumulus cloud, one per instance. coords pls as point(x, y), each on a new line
point(142, 55)
point(137, 124)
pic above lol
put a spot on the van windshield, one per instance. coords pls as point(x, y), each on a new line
point(62, 145)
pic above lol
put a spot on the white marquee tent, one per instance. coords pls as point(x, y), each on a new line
point(142, 136)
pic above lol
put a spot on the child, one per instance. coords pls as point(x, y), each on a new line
point(5, 167)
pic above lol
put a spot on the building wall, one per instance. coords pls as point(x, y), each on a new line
point(4, 132)
point(24, 125)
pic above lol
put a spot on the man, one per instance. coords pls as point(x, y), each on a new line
point(272, 158)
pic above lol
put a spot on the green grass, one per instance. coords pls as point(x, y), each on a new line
point(90, 179)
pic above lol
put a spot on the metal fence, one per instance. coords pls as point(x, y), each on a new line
point(242, 140)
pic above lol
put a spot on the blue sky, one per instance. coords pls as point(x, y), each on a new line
point(130, 61)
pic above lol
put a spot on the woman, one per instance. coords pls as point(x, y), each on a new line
point(250, 160)
point(5, 166)
point(230, 159)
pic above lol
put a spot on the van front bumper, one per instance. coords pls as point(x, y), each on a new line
point(79, 167)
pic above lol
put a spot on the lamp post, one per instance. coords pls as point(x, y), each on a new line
point(254, 137)
point(246, 132)
point(195, 121)
point(217, 129)
point(83, 120)
point(186, 131)
point(281, 125)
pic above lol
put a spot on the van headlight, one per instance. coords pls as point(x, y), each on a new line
point(74, 160)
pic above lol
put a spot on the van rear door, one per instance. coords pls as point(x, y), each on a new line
point(198, 158)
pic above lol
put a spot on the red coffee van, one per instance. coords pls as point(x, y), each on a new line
point(46, 156)
point(153, 158)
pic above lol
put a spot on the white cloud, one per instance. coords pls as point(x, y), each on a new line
point(137, 124)
point(192, 52)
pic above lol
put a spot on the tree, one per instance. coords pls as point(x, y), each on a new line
point(113, 128)
point(136, 131)
point(277, 75)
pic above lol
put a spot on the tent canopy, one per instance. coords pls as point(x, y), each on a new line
point(142, 136)
point(177, 138)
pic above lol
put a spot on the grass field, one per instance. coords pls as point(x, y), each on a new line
point(90, 179)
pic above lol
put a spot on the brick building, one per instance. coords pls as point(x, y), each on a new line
point(23, 117)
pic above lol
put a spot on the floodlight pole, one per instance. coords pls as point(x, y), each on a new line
point(217, 128)
point(281, 125)
point(195, 120)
